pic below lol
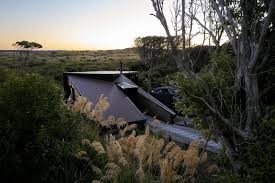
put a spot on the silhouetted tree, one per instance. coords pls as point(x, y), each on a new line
point(24, 49)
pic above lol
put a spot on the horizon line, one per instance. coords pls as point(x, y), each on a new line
point(74, 49)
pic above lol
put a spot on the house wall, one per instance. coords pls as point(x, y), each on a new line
point(150, 108)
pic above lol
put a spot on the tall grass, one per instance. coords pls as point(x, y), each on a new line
point(145, 156)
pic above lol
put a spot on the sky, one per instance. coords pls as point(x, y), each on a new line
point(77, 24)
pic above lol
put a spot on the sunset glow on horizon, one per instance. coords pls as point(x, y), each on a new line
point(77, 24)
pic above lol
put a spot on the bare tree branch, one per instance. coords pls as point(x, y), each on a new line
point(218, 113)
point(263, 36)
point(204, 27)
point(231, 36)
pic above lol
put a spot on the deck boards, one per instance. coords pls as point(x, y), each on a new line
point(181, 135)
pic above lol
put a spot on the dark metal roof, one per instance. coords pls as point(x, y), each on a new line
point(103, 72)
point(127, 100)
point(120, 105)
point(104, 75)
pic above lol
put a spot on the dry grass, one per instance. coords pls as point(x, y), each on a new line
point(91, 58)
point(82, 105)
point(53, 64)
point(151, 155)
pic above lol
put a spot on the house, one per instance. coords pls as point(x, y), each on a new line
point(130, 102)
point(127, 100)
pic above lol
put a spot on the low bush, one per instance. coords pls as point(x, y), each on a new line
point(39, 135)
point(259, 156)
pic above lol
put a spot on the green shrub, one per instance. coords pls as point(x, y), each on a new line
point(159, 75)
point(36, 63)
point(255, 156)
point(39, 136)
point(219, 79)
point(259, 156)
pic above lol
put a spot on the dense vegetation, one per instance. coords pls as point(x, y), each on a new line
point(45, 140)
point(228, 96)
point(255, 156)
point(135, 158)
point(52, 64)
point(219, 76)
point(38, 133)
point(229, 93)
point(157, 62)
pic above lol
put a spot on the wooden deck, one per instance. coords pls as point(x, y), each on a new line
point(180, 134)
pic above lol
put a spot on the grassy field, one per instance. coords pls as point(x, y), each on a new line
point(52, 64)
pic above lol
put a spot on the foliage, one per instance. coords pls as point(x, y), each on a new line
point(38, 134)
point(259, 156)
point(218, 75)
point(154, 54)
point(256, 156)
point(135, 158)
point(27, 45)
point(152, 50)
point(233, 110)
point(159, 76)
point(152, 156)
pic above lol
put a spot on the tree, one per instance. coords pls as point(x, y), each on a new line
point(248, 26)
point(205, 17)
point(24, 50)
point(152, 50)
point(158, 7)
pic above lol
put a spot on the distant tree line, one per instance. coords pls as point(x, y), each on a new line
point(155, 51)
